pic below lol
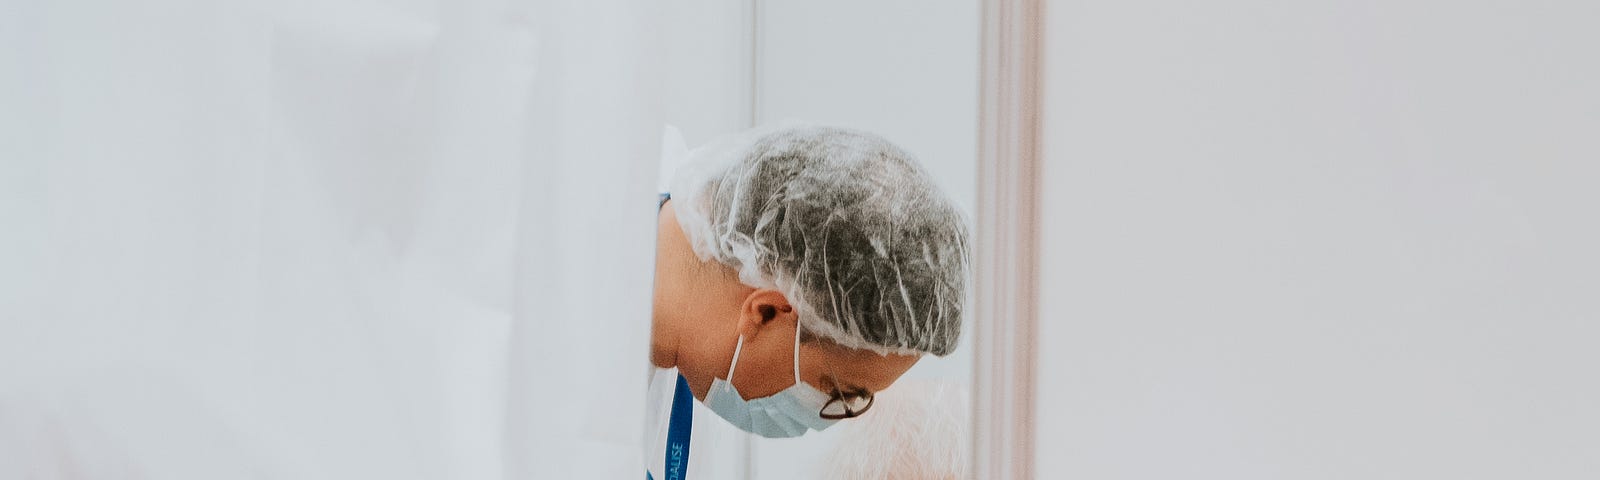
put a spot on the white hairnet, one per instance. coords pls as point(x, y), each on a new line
point(848, 226)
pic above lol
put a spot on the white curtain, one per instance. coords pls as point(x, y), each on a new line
point(325, 239)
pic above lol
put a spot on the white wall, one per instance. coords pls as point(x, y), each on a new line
point(706, 47)
point(1323, 239)
point(325, 239)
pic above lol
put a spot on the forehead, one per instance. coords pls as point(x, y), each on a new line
point(857, 368)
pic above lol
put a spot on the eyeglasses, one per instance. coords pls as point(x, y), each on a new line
point(841, 406)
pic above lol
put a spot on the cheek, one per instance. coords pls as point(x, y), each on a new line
point(813, 368)
point(707, 356)
point(756, 379)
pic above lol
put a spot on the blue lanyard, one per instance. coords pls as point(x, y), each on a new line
point(677, 461)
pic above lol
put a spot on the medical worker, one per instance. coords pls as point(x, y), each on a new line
point(799, 271)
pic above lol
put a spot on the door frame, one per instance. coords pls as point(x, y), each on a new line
point(1006, 245)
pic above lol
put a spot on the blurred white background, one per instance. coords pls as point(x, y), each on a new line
point(325, 239)
point(1320, 240)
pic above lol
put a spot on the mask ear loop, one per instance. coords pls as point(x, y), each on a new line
point(736, 348)
point(797, 352)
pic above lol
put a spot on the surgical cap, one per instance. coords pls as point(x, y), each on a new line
point(847, 226)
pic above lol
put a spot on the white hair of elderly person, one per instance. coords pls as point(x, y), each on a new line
point(917, 430)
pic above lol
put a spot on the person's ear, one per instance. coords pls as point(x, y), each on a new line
point(763, 308)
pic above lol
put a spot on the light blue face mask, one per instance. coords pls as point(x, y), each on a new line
point(789, 413)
